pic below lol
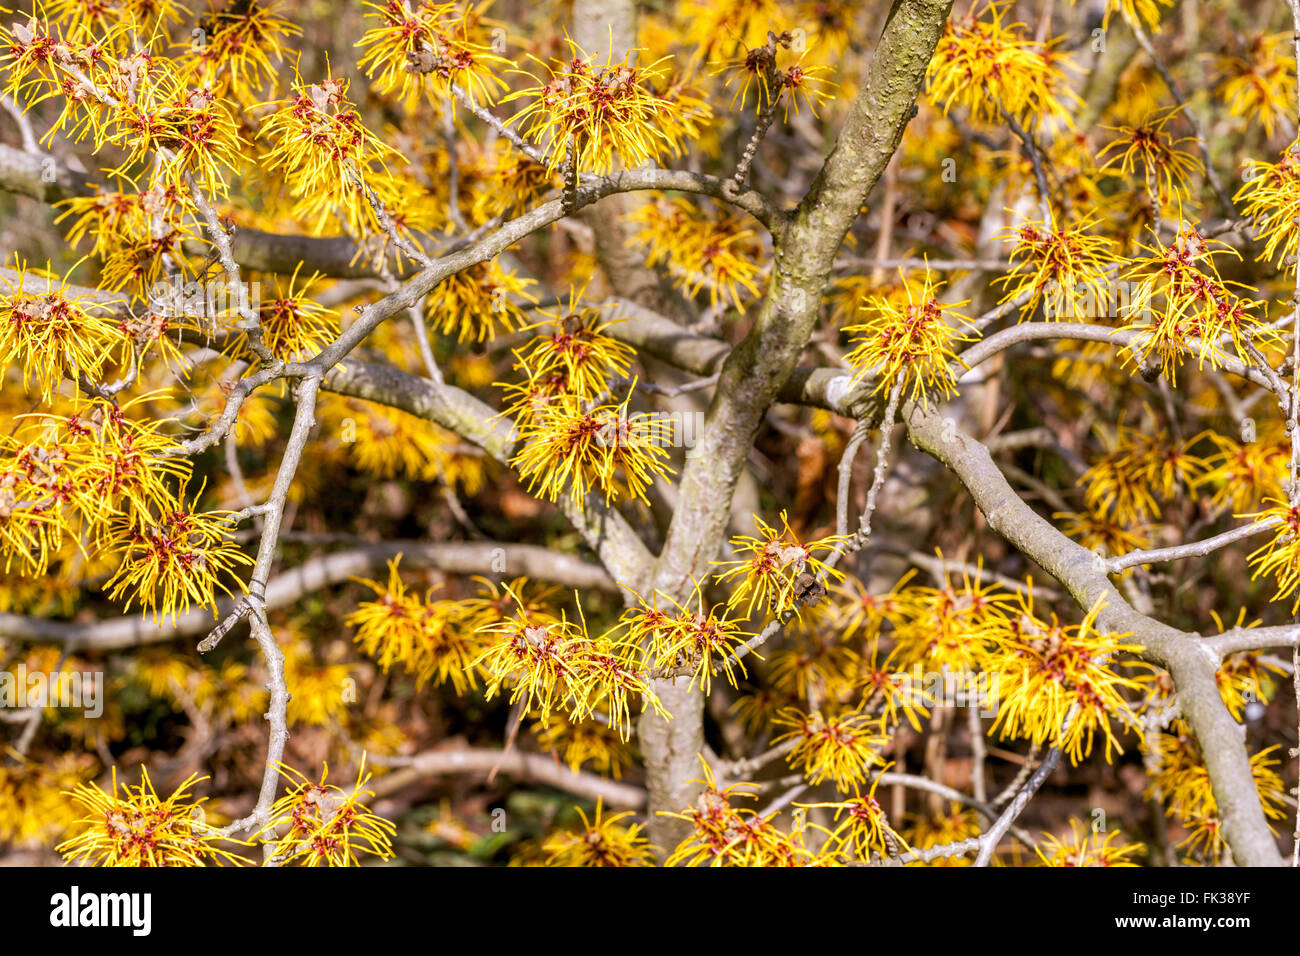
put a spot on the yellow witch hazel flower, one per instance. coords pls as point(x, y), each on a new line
point(901, 695)
point(1183, 784)
point(988, 66)
point(701, 249)
point(687, 638)
point(1047, 671)
point(65, 475)
point(1144, 467)
point(577, 348)
point(577, 448)
point(1271, 200)
point(591, 742)
point(293, 325)
point(913, 342)
point(472, 303)
point(327, 156)
point(239, 44)
point(1085, 847)
point(32, 805)
point(1260, 86)
point(860, 611)
point(596, 112)
point(388, 627)
point(839, 747)
point(506, 180)
point(51, 334)
point(1062, 267)
point(1137, 11)
point(419, 40)
point(388, 441)
point(764, 69)
point(600, 842)
point(1150, 150)
point(781, 573)
point(1243, 473)
point(138, 828)
point(1280, 557)
point(320, 824)
point(718, 25)
point(723, 835)
point(815, 664)
point(113, 220)
point(496, 602)
point(433, 640)
point(178, 558)
point(1181, 306)
point(861, 828)
point(557, 665)
point(1247, 677)
point(316, 699)
point(1101, 533)
point(147, 108)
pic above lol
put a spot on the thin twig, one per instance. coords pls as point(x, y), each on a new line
point(1194, 549)
point(989, 839)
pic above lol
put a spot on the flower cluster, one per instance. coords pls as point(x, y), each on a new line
point(861, 831)
point(1086, 847)
point(912, 343)
point(781, 574)
point(138, 828)
point(588, 113)
point(477, 303)
point(764, 70)
point(1280, 557)
point(717, 252)
point(435, 640)
point(724, 835)
point(333, 166)
point(103, 479)
point(1144, 468)
point(696, 640)
point(600, 842)
point(1270, 198)
point(33, 806)
point(238, 49)
point(139, 237)
point(840, 748)
point(173, 559)
point(443, 43)
point(586, 743)
point(1149, 149)
point(387, 441)
point(51, 333)
point(117, 91)
point(990, 66)
point(1260, 85)
point(1066, 269)
point(557, 665)
point(321, 824)
point(293, 325)
point(578, 448)
point(1058, 683)
point(1183, 784)
point(573, 439)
